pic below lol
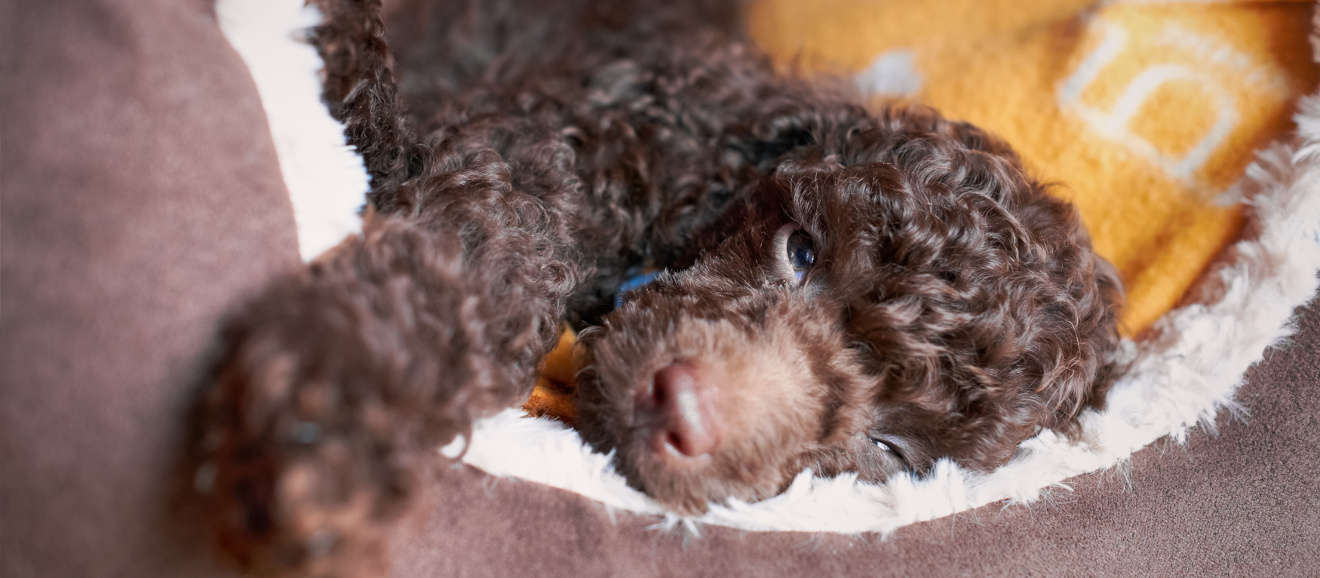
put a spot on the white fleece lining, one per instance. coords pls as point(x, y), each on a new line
point(326, 179)
point(1181, 376)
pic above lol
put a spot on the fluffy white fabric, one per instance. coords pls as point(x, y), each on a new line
point(325, 177)
point(1181, 376)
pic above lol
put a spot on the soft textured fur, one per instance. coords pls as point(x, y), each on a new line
point(953, 309)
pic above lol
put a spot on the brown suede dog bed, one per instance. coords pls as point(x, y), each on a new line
point(141, 198)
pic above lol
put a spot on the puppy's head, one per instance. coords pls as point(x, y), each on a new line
point(906, 296)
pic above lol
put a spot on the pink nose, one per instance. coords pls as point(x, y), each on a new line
point(679, 409)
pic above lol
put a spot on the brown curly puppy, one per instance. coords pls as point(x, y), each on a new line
point(845, 290)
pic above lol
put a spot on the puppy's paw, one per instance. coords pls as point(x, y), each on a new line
point(335, 387)
point(316, 431)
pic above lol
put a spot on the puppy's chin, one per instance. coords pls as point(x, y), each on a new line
point(757, 393)
point(686, 485)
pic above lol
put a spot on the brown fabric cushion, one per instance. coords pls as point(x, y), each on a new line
point(1242, 502)
point(141, 198)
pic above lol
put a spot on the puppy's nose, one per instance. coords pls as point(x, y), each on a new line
point(682, 411)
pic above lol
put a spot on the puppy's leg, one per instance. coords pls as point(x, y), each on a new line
point(338, 383)
point(360, 88)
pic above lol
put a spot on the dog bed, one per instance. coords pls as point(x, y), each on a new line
point(147, 198)
point(1165, 186)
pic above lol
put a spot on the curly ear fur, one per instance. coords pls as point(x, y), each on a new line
point(974, 292)
point(977, 300)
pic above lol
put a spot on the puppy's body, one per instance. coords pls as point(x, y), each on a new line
point(845, 290)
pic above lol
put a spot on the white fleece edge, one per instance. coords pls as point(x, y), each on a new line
point(325, 177)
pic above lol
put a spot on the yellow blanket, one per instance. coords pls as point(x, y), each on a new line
point(1145, 113)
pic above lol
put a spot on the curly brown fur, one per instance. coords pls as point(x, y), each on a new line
point(544, 154)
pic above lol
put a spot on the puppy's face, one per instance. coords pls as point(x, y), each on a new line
point(866, 319)
point(723, 380)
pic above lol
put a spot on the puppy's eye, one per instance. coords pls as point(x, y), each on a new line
point(796, 254)
point(801, 254)
point(887, 447)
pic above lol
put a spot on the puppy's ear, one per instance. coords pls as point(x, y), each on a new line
point(804, 136)
point(1099, 297)
point(775, 136)
point(920, 120)
point(791, 130)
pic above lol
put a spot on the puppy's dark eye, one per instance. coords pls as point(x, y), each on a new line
point(801, 254)
point(794, 253)
point(888, 447)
